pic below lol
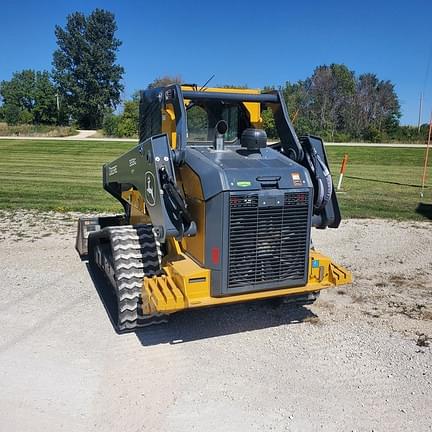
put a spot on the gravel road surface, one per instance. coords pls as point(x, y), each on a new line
point(358, 359)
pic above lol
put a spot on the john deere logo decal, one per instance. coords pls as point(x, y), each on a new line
point(150, 189)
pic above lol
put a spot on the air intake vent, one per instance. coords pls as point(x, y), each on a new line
point(268, 244)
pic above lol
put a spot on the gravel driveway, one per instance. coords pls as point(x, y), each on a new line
point(358, 359)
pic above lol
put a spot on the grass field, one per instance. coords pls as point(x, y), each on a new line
point(66, 175)
point(381, 182)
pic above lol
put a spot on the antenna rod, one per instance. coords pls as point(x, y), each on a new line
point(207, 82)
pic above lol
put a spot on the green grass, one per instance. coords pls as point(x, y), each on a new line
point(381, 182)
point(66, 175)
point(56, 175)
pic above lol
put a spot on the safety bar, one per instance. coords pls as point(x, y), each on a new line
point(230, 97)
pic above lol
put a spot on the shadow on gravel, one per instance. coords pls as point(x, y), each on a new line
point(106, 296)
point(191, 325)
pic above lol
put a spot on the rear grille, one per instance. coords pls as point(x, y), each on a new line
point(267, 244)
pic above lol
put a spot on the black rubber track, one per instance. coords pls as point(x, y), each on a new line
point(132, 254)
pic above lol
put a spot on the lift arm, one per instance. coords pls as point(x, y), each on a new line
point(148, 168)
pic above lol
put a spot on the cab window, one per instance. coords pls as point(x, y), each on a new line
point(202, 119)
point(197, 122)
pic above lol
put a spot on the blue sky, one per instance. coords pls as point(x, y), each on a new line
point(242, 42)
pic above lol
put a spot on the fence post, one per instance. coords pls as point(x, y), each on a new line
point(342, 171)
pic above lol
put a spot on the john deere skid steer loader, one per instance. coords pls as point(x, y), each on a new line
point(213, 213)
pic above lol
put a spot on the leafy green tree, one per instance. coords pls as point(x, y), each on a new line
point(269, 124)
point(85, 68)
point(164, 81)
point(128, 120)
point(330, 88)
point(29, 97)
point(124, 124)
point(299, 103)
point(110, 124)
point(375, 110)
point(338, 105)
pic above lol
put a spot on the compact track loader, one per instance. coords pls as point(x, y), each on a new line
point(213, 212)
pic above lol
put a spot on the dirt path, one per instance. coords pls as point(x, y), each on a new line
point(83, 134)
point(352, 361)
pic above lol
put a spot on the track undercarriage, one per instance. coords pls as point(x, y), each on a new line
point(127, 259)
point(125, 255)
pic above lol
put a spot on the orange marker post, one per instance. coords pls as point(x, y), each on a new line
point(426, 158)
point(342, 171)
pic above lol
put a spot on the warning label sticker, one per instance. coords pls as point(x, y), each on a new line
point(296, 179)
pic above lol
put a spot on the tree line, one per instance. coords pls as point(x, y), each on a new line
point(339, 105)
point(85, 86)
point(333, 103)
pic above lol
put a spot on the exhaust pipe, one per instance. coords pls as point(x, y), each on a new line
point(220, 130)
